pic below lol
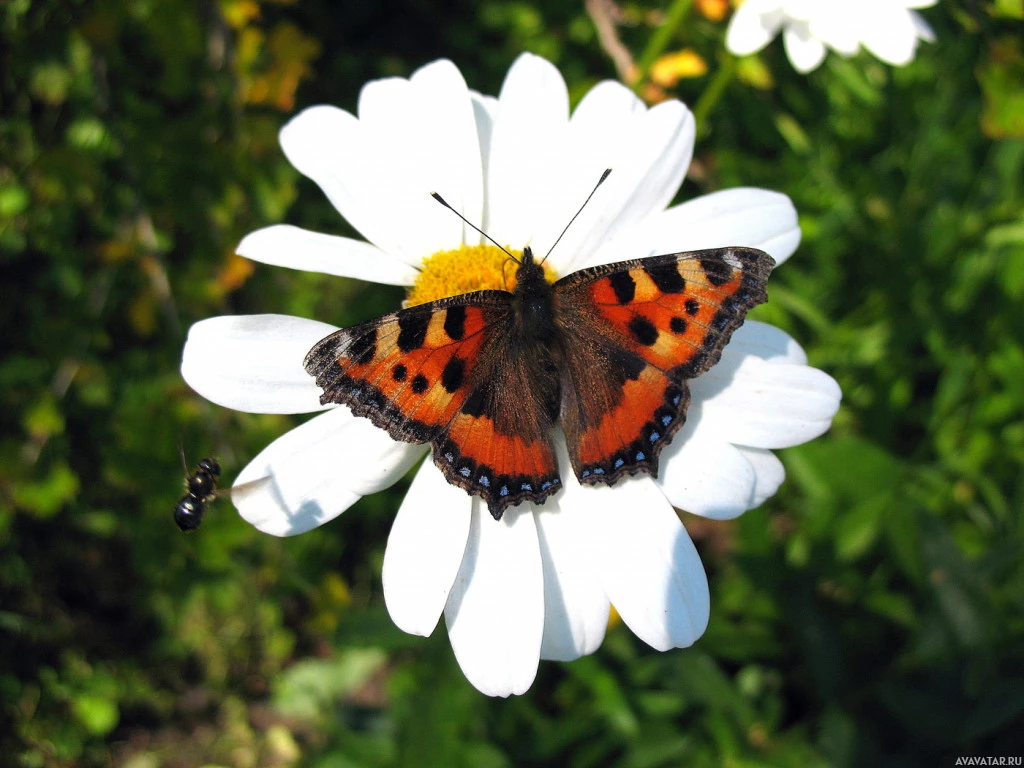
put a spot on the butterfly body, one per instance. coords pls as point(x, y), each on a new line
point(606, 352)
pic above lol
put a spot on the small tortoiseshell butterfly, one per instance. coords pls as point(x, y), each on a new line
point(606, 351)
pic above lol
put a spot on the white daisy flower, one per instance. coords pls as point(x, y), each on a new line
point(887, 28)
point(539, 582)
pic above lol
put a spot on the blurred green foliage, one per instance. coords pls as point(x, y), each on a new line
point(870, 614)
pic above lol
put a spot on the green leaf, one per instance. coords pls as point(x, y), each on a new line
point(1000, 78)
point(97, 713)
point(308, 689)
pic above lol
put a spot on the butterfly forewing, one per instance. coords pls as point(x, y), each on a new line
point(634, 332)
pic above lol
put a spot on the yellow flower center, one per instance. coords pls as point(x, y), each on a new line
point(466, 269)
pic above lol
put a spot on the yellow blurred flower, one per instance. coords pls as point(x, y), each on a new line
point(672, 67)
point(714, 10)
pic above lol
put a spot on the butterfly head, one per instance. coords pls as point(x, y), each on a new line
point(530, 277)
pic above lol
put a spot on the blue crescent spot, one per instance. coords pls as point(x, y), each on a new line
point(598, 471)
point(619, 463)
point(675, 400)
point(527, 487)
point(586, 473)
point(545, 485)
point(666, 420)
point(640, 455)
point(450, 457)
point(465, 471)
point(654, 437)
point(503, 491)
point(485, 481)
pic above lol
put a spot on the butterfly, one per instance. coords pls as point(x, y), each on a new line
point(606, 352)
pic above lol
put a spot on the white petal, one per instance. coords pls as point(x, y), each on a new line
point(805, 52)
point(525, 182)
point(649, 567)
point(705, 475)
point(602, 126)
point(840, 30)
point(422, 132)
point(452, 146)
point(286, 246)
point(413, 137)
point(575, 605)
point(921, 27)
point(328, 145)
point(495, 612)
point(425, 549)
point(769, 473)
point(892, 37)
point(485, 111)
point(764, 341)
point(702, 472)
point(752, 339)
point(752, 27)
point(658, 158)
point(318, 470)
point(766, 404)
point(648, 152)
point(756, 218)
point(609, 110)
point(254, 362)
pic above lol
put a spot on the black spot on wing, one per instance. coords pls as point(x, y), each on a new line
point(692, 307)
point(623, 285)
point(717, 271)
point(419, 384)
point(666, 277)
point(363, 348)
point(455, 322)
point(643, 330)
point(625, 365)
point(476, 404)
point(678, 325)
point(412, 330)
point(452, 375)
point(399, 372)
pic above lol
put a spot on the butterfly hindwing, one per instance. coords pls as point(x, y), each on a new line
point(637, 331)
point(441, 373)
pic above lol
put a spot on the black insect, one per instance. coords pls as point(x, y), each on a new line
point(202, 487)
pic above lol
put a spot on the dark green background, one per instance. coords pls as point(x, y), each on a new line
point(872, 613)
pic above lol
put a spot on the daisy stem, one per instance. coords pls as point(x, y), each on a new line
point(709, 98)
point(660, 39)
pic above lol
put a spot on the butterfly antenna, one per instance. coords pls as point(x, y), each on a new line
point(441, 200)
point(599, 183)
